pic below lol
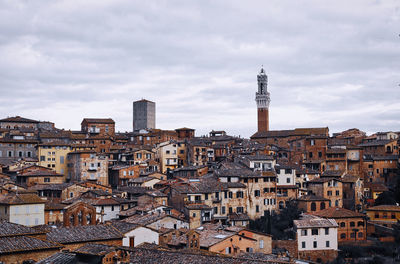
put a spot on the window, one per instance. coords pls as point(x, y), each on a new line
point(257, 193)
point(228, 250)
point(360, 234)
point(230, 194)
point(393, 216)
point(287, 180)
point(223, 210)
point(337, 203)
point(352, 224)
point(230, 210)
point(343, 236)
point(342, 224)
point(313, 206)
point(360, 223)
point(314, 244)
point(310, 154)
point(312, 142)
point(326, 231)
point(239, 194)
point(327, 243)
point(314, 231)
point(257, 208)
point(329, 193)
point(61, 159)
point(303, 244)
point(42, 158)
point(376, 215)
point(304, 232)
point(215, 210)
point(46, 179)
point(337, 193)
point(261, 243)
point(239, 210)
point(319, 154)
point(206, 196)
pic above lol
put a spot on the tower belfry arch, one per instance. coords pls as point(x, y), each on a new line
point(262, 99)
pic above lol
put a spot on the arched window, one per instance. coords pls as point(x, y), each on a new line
point(72, 219)
point(343, 236)
point(88, 219)
point(360, 223)
point(352, 224)
point(322, 205)
point(360, 234)
point(342, 224)
point(337, 203)
point(80, 220)
point(313, 206)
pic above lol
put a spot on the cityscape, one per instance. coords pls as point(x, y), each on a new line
point(95, 195)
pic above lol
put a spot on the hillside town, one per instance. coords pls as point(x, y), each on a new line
point(96, 195)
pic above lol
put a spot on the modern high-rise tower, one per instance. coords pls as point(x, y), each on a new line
point(144, 115)
point(262, 100)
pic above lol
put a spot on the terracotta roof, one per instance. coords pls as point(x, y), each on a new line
point(18, 119)
point(99, 120)
point(238, 217)
point(124, 227)
point(293, 132)
point(312, 197)
point(384, 208)
point(95, 249)
point(337, 212)
point(148, 255)
point(25, 243)
point(59, 258)
point(41, 173)
point(308, 221)
point(20, 198)
point(332, 173)
point(376, 143)
point(78, 234)
point(8, 229)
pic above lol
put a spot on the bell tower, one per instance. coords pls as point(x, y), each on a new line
point(262, 100)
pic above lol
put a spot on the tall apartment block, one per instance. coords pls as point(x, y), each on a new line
point(144, 115)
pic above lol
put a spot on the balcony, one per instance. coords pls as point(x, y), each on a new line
point(194, 202)
point(282, 194)
point(216, 200)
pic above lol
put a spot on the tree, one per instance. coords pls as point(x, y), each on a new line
point(278, 225)
point(386, 197)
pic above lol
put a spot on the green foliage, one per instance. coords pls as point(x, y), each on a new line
point(278, 225)
point(386, 197)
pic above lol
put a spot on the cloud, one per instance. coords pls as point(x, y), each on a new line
point(330, 64)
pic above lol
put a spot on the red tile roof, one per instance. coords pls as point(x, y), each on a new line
point(337, 212)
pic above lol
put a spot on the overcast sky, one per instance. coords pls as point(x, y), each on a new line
point(329, 63)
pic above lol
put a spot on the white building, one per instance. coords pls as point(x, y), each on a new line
point(135, 235)
point(286, 175)
point(22, 208)
point(167, 153)
point(315, 233)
